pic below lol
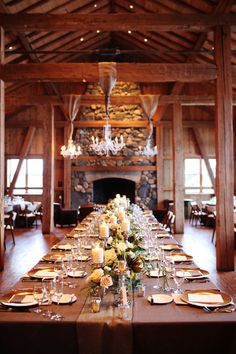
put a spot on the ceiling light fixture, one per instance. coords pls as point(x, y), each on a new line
point(72, 150)
point(107, 73)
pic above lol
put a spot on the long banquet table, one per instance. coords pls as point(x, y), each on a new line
point(144, 328)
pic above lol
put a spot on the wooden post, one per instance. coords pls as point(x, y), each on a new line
point(178, 168)
point(2, 152)
point(160, 167)
point(224, 152)
point(67, 174)
point(46, 113)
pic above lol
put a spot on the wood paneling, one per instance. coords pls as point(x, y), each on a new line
point(46, 113)
point(224, 152)
point(2, 151)
point(178, 168)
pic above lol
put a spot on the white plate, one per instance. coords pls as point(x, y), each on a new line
point(155, 274)
point(77, 274)
point(160, 299)
point(83, 258)
point(65, 299)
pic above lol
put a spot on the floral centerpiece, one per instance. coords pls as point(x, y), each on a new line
point(120, 248)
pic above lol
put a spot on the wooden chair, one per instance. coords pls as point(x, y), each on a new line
point(9, 224)
point(196, 214)
point(38, 212)
point(27, 215)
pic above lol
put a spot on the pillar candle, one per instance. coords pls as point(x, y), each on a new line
point(104, 230)
point(97, 255)
point(113, 219)
point(125, 225)
point(121, 214)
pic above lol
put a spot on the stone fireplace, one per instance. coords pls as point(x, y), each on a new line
point(107, 188)
point(97, 187)
point(142, 182)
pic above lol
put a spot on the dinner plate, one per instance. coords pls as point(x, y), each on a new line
point(77, 274)
point(64, 247)
point(163, 235)
point(87, 247)
point(179, 257)
point(43, 273)
point(170, 246)
point(204, 297)
point(160, 299)
point(74, 235)
point(65, 299)
point(19, 298)
point(155, 273)
point(55, 257)
point(83, 258)
point(192, 273)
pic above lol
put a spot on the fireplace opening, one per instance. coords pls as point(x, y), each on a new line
point(107, 188)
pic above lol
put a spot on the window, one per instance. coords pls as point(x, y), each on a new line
point(197, 179)
point(30, 178)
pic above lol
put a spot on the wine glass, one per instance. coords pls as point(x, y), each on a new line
point(57, 290)
point(178, 277)
point(39, 296)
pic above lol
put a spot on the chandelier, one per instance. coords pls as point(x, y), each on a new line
point(72, 150)
point(107, 146)
point(149, 150)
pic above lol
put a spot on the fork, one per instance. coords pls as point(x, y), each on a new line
point(220, 309)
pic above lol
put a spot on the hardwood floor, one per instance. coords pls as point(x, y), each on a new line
point(31, 245)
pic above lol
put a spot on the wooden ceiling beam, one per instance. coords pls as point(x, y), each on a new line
point(115, 22)
point(86, 100)
point(16, 124)
point(78, 72)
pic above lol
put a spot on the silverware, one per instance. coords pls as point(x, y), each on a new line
point(219, 309)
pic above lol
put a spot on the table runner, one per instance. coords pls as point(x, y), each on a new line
point(106, 332)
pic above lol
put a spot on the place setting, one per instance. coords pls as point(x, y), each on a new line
point(210, 300)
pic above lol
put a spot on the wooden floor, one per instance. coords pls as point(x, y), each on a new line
point(31, 245)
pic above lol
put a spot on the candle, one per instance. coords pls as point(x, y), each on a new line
point(97, 255)
point(125, 225)
point(124, 296)
point(113, 219)
point(104, 230)
point(121, 214)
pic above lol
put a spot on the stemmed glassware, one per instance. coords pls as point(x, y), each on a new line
point(57, 293)
point(39, 296)
point(178, 277)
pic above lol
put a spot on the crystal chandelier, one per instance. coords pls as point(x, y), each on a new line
point(148, 150)
point(107, 145)
point(72, 150)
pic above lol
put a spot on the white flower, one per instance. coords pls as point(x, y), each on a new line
point(110, 256)
point(121, 247)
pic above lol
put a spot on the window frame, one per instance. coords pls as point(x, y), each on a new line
point(199, 189)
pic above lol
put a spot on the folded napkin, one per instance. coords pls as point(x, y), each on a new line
point(45, 273)
point(83, 258)
point(66, 246)
point(177, 258)
point(189, 273)
point(21, 299)
point(206, 298)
